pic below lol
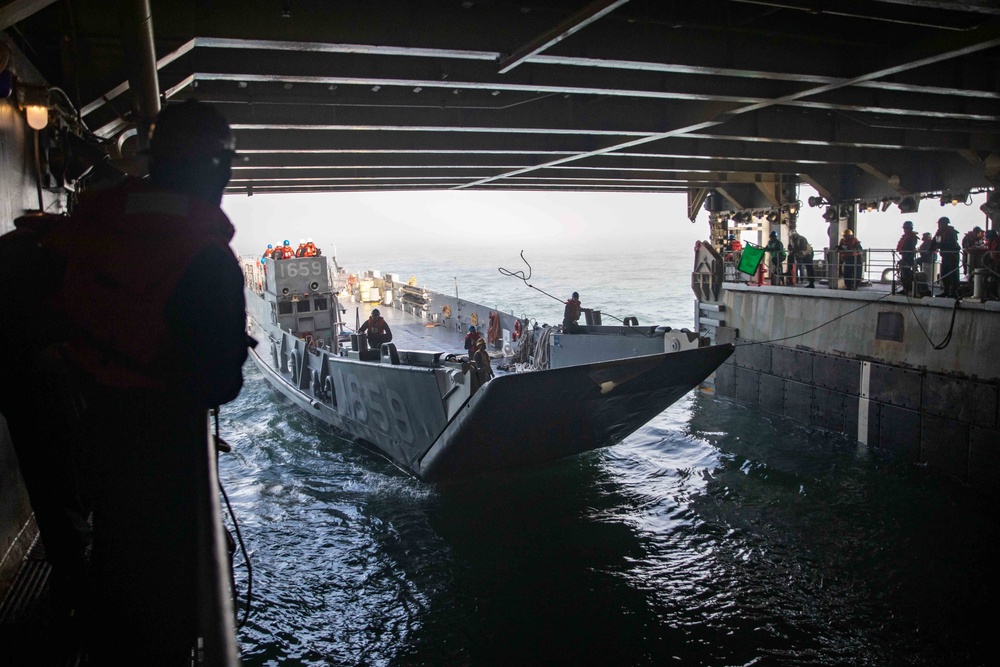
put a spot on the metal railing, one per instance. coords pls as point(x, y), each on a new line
point(876, 266)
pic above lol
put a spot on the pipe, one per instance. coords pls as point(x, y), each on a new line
point(136, 21)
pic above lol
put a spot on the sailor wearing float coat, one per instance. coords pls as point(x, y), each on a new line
point(154, 297)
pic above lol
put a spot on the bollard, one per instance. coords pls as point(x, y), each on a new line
point(979, 284)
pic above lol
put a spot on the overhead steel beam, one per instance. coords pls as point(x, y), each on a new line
point(977, 40)
point(592, 12)
point(14, 11)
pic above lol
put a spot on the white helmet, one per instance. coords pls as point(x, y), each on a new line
point(309, 240)
point(302, 241)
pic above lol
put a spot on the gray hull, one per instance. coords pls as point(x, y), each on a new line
point(423, 414)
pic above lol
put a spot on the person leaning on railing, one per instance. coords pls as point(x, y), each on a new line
point(801, 254)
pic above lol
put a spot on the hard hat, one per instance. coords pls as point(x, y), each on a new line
point(480, 343)
point(190, 130)
point(732, 237)
point(286, 242)
point(309, 240)
point(927, 235)
point(471, 328)
point(908, 224)
point(848, 232)
point(269, 246)
point(576, 295)
point(774, 235)
point(375, 312)
point(977, 228)
point(302, 241)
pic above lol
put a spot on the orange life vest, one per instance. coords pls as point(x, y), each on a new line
point(376, 326)
point(572, 312)
point(126, 249)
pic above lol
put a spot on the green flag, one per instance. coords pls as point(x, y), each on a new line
point(750, 259)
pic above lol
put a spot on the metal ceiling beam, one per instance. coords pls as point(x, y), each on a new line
point(15, 11)
point(592, 12)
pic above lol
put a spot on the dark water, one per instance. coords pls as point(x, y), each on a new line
point(713, 536)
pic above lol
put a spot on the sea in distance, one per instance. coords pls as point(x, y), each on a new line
point(715, 535)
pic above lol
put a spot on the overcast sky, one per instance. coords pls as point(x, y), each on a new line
point(517, 220)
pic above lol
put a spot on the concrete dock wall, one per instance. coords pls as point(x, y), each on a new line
point(882, 384)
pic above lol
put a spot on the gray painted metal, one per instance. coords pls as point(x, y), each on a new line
point(880, 98)
point(424, 414)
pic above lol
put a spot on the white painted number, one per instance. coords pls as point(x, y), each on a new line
point(364, 399)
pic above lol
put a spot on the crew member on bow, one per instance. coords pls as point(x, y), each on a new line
point(571, 314)
point(470, 340)
point(377, 329)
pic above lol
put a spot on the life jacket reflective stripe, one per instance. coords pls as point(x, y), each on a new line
point(126, 249)
point(376, 326)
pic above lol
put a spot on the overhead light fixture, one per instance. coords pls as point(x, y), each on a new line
point(773, 217)
point(38, 117)
point(909, 204)
point(871, 206)
point(793, 208)
point(376, 88)
point(816, 201)
point(34, 99)
point(886, 203)
point(830, 215)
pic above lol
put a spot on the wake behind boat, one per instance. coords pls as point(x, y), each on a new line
point(418, 401)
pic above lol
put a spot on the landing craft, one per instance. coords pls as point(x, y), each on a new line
point(424, 408)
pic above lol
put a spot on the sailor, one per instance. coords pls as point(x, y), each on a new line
point(377, 330)
point(776, 254)
point(925, 255)
point(311, 249)
point(301, 250)
point(973, 246)
point(850, 257)
point(481, 359)
point(156, 344)
point(265, 255)
point(470, 340)
point(571, 314)
point(946, 242)
point(907, 249)
point(802, 252)
point(286, 251)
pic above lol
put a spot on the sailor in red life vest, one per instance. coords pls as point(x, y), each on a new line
point(377, 330)
point(310, 249)
point(571, 314)
point(264, 256)
point(470, 340)
point(300, 251)
point(286, 251)
point(154, 298)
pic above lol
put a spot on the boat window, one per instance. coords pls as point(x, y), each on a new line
point(320, 304)
point(285, 307)
point(302, 307)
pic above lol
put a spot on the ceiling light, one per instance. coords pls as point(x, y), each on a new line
point(38, 117)
point(773, 217)
point(816, 201)
point(375, 89)
point(793, 208)
point(242, 84)
point(417, 89)
point(831, 214)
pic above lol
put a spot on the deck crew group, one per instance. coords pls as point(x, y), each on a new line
point(914, 254)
